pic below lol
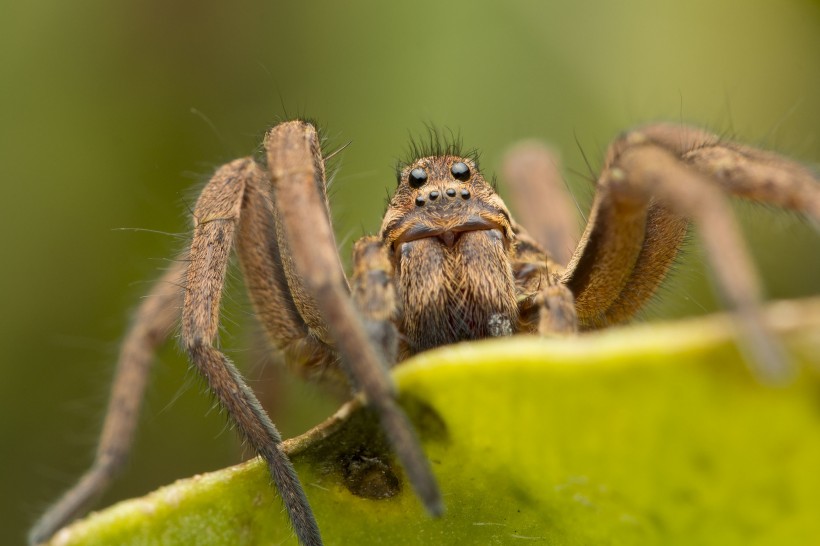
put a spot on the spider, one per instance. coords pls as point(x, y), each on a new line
point(449, 264)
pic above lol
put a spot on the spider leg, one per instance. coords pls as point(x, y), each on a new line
point(152, 324)
point(545, 305)
point(264, 259)
point(546, 207)
point(759, 176)
point(216, 215)
point(541, 199)
point(374, 295)
point(297, 172)
point(375, 298)
point(654, 179)
point(556, 310)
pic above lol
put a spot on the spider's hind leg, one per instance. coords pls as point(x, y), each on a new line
point(153, 322)
point(542, 201)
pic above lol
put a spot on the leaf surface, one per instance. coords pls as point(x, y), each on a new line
point(656, 434)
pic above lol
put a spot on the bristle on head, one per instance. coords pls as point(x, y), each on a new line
point(436, 142)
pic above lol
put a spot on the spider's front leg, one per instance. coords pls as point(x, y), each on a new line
point(298, 178)
point(377, 302)
point(654, 180)
point(216, 216)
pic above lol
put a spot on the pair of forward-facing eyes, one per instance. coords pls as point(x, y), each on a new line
point(418, 176)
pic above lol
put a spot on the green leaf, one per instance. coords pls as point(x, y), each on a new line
point(655, 434)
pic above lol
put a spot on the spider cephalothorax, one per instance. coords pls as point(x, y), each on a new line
point(451, 243)
point(449, 264)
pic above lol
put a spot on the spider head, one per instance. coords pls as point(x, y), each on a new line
point(444, 197)
point(451, 240)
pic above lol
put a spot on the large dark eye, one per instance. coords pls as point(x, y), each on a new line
point(417, 177)
point(460, 171)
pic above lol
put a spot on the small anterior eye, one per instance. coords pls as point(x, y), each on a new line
point(417, 177)
point(460, 171)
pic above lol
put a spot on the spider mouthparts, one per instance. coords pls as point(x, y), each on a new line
point(448, 238)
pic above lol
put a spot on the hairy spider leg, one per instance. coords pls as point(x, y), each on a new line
point(153, 322)
point(298, 179)
point(656, 178)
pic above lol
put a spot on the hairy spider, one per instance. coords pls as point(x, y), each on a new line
point(449, 264)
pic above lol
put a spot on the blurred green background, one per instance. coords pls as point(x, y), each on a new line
point(110, 112)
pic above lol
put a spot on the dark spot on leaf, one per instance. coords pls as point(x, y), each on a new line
point(370, 477)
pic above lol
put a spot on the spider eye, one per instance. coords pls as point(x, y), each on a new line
point(460, 171)
point(417, 177)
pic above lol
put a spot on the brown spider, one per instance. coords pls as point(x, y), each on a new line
point(449, 264)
